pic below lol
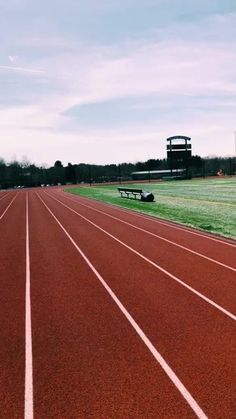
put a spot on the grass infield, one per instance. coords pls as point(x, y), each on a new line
point(206, 204)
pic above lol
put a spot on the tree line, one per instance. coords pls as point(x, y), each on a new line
point(26, 174)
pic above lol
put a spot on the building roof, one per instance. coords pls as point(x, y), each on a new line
point(146, 172)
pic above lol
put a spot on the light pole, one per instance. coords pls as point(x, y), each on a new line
point(119, 174)
point(149, 173)
point(90, 175)
point(234, 169)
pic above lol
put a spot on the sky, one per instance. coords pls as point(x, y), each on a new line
point(108, 81)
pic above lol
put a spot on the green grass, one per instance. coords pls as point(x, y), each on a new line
point(208, 204)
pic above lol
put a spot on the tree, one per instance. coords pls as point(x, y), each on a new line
point(58, 163)
point(70, 173)
point(57, 173)
point(2, 172)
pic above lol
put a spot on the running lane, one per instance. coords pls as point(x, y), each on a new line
point(88, 361)
point(207, 276)
point(3, 195)
point(197, 339)
point(12, 307)
point(5, 202)
point(222, 249)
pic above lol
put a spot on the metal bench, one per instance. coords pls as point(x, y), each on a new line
point(133, 193)
point(130, 192)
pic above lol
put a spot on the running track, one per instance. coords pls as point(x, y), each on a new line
point(110, 314)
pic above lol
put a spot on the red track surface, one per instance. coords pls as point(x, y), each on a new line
point(88, 358)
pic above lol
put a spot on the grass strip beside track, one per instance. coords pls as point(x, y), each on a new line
point(208, 204)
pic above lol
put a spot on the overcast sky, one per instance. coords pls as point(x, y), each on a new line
point(107, 81)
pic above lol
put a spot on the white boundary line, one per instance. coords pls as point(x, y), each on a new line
point(175, 278)
point(170, 373)
point(28, 407)
point(155, 235)
point(4, 196)
point(1, 217)
point(186, 229)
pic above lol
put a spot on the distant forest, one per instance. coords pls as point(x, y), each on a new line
point(24, 173)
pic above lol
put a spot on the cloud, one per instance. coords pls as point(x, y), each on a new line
point(21, 69)
point(167, 68)
point(12, 58)
point(174, 78)
point(178, 63)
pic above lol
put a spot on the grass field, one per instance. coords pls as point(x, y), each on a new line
point(207, 204)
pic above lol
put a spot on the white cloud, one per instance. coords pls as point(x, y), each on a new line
point(168, 67)
point(21, 69)
point(12, 58)
point(96, 73)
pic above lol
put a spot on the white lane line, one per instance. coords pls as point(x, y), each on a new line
point(4, 196)
point(168, 370)
point(1, 217)
point(175, 278)
point(154, 235)
point(185, 229)
point(28, 330)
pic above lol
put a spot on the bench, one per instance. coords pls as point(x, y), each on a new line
point(133, 193)
point(126, 192)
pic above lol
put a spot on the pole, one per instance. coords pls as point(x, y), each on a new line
point(171, 158)
point(203, 168)
point(119, 174)
point(234, 152)
point(149, 174)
